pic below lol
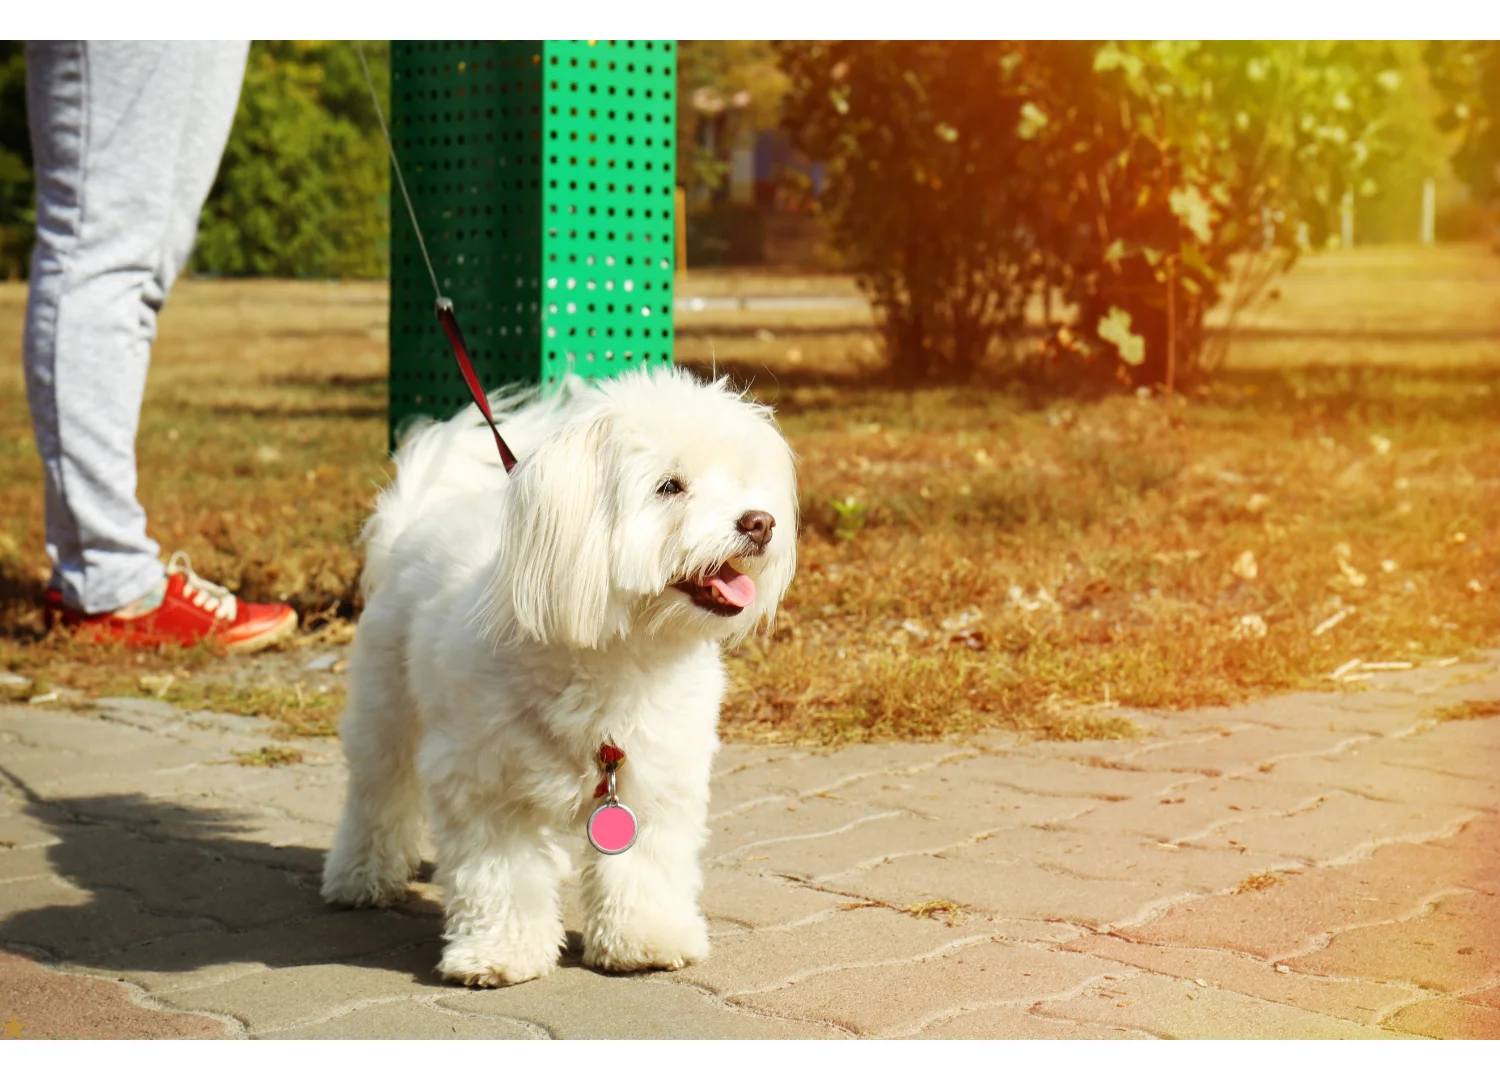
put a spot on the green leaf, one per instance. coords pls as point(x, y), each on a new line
point(1192, 259)
point(947, 132)
point(1114, 328)
point(1115, 252)
point(1032, 121)
point(1193, 210)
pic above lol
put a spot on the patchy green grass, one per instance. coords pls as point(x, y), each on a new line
point(970, 557)
point(268, 757)
point(299, 711)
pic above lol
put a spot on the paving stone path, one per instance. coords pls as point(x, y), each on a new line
point(1317, 865)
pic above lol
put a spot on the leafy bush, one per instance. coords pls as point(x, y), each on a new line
point(17, 197)
point(969, 177)
point(925, 199)
point(302, 191)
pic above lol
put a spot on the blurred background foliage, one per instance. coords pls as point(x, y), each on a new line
point(303, 189)
point(1114, 191)
point(1136, 184)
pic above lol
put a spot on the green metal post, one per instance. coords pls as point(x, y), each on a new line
point(542, 173)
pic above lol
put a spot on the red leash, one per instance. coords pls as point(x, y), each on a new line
point(445, 316)
point(449, 322)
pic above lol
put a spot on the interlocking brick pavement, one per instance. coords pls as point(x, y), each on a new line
point(1310, 866)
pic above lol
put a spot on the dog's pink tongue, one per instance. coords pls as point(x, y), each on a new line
point(732, 587)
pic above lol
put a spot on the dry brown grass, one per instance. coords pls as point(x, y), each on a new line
point(1486, 709)
point(948, 911)
point(1257, 882)
point(970, 557)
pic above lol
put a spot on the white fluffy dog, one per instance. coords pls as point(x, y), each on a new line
point(515, 623)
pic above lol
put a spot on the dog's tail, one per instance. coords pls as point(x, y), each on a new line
point(436, 462)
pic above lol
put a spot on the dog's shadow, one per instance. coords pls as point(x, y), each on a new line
point(149, 886)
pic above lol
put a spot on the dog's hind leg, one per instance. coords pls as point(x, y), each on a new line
point(374, 851)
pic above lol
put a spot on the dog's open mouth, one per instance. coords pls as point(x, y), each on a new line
point(726, 591)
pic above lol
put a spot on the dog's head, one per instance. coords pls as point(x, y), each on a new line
point(663, 505)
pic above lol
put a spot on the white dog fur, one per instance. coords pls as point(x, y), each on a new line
point(514, 623)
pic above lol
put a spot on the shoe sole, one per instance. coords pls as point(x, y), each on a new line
point(266, 638)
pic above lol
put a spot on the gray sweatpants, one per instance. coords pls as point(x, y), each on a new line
point(126, 138)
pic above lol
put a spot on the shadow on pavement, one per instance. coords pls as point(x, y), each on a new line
point(154, 886)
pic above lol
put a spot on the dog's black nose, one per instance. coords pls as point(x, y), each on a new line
point(757, 525)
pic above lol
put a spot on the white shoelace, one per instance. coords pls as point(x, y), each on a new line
point(215, 599)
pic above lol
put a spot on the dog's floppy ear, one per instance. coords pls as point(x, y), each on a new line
point(554, 563)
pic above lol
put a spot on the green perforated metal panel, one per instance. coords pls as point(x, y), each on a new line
point(542, 174)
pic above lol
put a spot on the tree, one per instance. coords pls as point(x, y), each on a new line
point(1393, 213)
point(724, 87)
point(303, 187)
point(1467, 75)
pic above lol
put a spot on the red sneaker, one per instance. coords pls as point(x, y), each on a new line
point(194, 610)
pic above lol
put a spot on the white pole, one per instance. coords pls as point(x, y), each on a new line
point(1429, 211)
point(1346, 223)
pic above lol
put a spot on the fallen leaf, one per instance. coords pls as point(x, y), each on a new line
point(1332, 621)
point(157, 684)
point(1351, 575)
point(1250, 627)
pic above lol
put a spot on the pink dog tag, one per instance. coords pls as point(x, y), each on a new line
point(611, 828)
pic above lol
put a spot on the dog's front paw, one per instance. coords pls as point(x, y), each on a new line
point(479, 962)
point(644, 946)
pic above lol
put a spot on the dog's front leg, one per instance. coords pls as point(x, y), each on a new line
point(643, 905)
point(500, 883)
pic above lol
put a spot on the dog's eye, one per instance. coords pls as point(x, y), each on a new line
point(670, 487)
